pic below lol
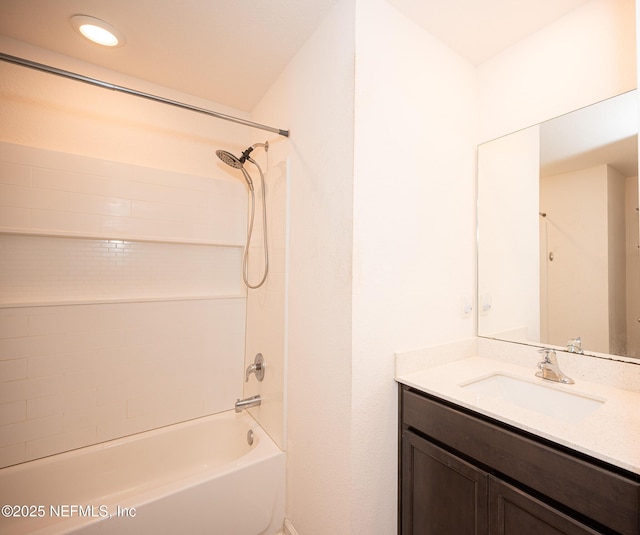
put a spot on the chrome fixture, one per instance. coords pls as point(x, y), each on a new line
point(575, 346)
point(247, 403)
point(257, 367)
point(549, 368)
point(238, 163)
point(250, 437)
point(107, 85)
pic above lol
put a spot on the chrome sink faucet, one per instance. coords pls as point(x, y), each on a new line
point(575, 346)
point(549, 368)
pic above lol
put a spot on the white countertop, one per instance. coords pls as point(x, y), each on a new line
point(611, 433)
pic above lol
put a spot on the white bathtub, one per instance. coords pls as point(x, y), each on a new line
point(197, 477)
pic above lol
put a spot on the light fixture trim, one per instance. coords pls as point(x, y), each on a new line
point(97, 31)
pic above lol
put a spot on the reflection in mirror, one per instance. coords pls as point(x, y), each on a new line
point(558, 255)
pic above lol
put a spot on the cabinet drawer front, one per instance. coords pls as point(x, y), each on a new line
point(603, 496)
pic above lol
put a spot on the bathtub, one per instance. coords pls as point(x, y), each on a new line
point(196, 477)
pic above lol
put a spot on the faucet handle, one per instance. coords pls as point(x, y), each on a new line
point(549, 355)
point(575, 346)
point(257, 367)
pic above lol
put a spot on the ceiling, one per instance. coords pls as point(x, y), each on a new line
point(603, 133)
point(231, 51)
point(480, 29)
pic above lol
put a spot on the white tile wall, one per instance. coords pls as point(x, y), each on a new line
point(57, 192)
point(87, 373)
point(73, 372)
point(36, 269)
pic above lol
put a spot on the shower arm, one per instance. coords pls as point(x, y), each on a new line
point(247, 152)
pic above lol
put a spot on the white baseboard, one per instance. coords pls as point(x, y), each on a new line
point(288, 528)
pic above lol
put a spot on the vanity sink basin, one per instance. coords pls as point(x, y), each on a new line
point(548, 400)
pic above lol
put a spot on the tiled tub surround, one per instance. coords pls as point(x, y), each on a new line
point(611, 433)
point(121, 303)
point(87, 373)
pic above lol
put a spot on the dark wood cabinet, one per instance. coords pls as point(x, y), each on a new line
point(512, 511)
point(435, 480)
point(461, 473)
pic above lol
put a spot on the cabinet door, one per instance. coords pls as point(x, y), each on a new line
point(513, 512)
point(441, 494)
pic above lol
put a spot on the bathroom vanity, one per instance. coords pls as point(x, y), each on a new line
point(478, 461)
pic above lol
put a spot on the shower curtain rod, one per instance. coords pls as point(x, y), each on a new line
point(80, 78)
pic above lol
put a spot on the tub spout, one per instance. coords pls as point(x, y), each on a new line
point(242, 404)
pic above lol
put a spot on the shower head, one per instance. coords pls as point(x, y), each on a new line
point(235, 162)
point(229, 159)
point(238, 163)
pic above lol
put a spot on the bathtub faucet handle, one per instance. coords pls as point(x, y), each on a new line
point(257, 367)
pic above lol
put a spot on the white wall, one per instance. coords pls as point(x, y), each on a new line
point(584, 57)
point(314, 98)
point(509, 231)
point(577, 228)
point(407, 279)
point(617, 262)
point(632, 266)
point(138, 131)
point(413, 246)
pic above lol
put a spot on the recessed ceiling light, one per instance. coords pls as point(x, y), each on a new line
point(97, 31)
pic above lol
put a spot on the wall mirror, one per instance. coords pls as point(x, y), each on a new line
point(558, 243)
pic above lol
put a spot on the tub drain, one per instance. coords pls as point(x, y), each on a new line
point(250, 437)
